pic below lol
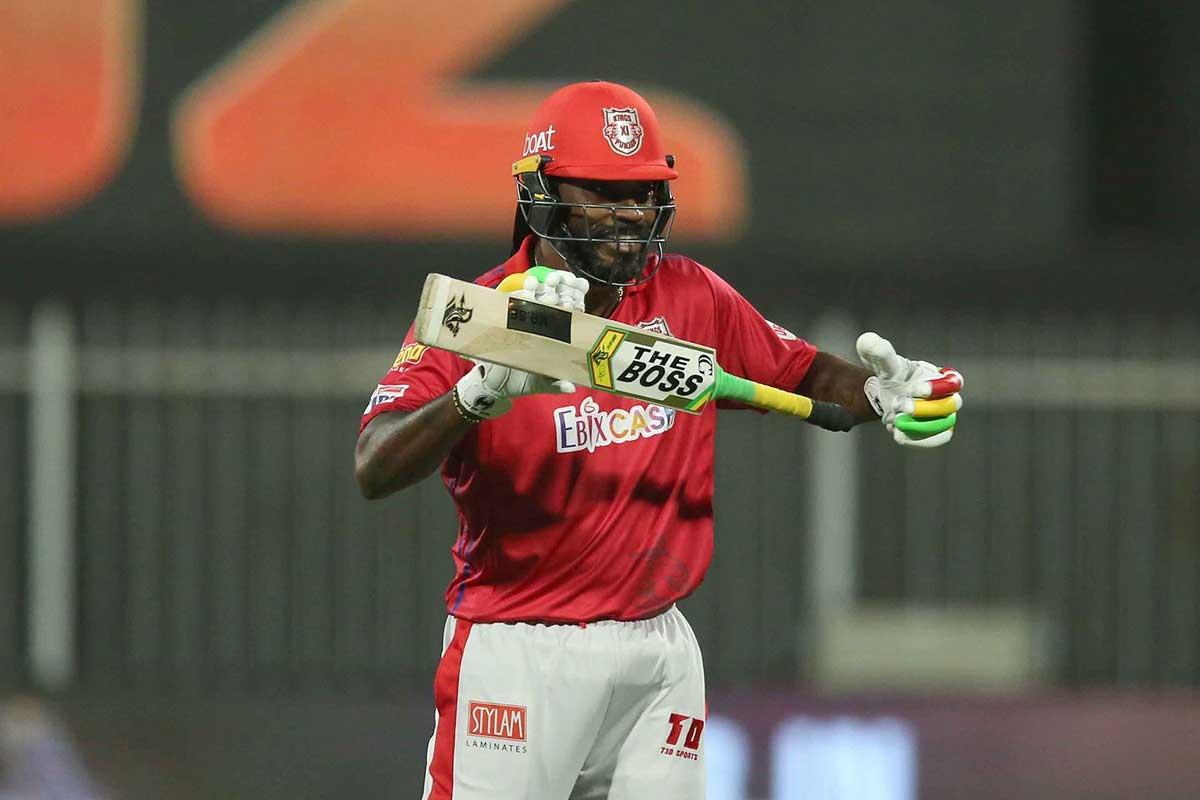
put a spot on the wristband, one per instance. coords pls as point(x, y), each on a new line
point(462, 412)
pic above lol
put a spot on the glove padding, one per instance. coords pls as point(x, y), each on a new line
point(560, 288)
point(487, 391)
point(917, 402)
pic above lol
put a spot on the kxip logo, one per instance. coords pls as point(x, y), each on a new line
point(623, 130)
point(656, 325)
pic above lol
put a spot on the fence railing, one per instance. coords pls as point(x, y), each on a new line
point(183, 513)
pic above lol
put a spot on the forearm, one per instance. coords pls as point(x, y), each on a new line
point(837, 380)
point(398, 449)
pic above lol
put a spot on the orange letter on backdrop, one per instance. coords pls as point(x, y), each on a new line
point(68, 86)
point(354, 117)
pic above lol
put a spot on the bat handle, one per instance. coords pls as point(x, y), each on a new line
point(830, 416)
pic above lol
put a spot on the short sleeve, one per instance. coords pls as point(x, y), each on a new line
point(750, 346)
point(419, 374)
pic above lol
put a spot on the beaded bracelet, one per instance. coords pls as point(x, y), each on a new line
point(462, 412)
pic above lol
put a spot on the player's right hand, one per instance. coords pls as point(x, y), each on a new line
point(487, 391)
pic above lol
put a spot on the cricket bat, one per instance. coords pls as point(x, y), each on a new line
point(485, 324)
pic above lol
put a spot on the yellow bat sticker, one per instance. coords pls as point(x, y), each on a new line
point(600, 357)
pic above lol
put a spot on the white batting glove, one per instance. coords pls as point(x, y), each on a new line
point(560, 288)
point(488, 390)
point(916, 401)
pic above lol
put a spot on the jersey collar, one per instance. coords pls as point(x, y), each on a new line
point(523, 258)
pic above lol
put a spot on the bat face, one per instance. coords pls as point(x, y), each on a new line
point(662, 370)
point(481, 323)
point(478, 322)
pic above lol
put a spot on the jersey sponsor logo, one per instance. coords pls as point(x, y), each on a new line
point(496, 721)
point(537, 142)
point(782, 332)
point(409, 354)
point(385, 393)
point(656, 325)
point(457, 314)
point(623, 130)
point(588, 427)
point(690, 747)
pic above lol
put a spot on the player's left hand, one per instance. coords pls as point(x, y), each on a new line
point(918, 402)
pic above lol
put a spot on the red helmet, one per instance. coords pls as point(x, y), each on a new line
point(595, 131)
point(599, 131)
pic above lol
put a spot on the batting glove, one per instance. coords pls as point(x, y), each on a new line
point(917, 402)
point(555, 287)
point(487, 391)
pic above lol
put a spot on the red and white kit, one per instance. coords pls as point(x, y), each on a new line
point(567, 671)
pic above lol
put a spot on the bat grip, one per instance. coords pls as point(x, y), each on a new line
point(830, 416)
point(773, 399)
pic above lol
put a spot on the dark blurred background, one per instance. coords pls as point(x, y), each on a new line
point(214, 222)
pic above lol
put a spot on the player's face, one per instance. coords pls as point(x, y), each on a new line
point(621, 254)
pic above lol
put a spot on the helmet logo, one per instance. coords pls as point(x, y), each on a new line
point(622, 130)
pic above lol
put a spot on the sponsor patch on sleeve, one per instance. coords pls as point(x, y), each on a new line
point(409, 355)
point(385, 393)
point(782, 332)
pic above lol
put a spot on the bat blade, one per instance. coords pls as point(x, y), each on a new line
point(477, 322)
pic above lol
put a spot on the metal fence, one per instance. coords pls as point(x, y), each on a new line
point(13, 413)
point(1073, 487)
point(217, 541)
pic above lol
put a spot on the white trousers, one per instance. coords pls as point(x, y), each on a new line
point(567, 712)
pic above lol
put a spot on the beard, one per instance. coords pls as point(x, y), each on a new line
point(597, 260)
point(604, 261)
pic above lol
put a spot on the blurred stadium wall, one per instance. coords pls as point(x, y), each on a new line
point(214, 220)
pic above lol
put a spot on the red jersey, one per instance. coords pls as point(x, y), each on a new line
point(588, 506)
